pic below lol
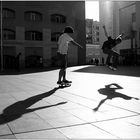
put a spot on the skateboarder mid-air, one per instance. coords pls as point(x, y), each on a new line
point(63, 45)
point(108, 49)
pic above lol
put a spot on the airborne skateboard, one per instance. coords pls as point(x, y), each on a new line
point(112, 68)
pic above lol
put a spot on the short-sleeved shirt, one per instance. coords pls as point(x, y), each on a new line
point(109, 44)
point(63, 43)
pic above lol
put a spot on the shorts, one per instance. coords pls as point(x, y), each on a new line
point(63, 60)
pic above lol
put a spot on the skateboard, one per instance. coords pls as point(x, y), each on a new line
point(63, 84)
point(111, 68)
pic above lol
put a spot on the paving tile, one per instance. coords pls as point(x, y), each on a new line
point(133, 105)
point(77, 99)
point(28, 122)
point(65, 121)
point(4, 129)
point(88, 115)
point(120, 128)
point(70, 105)
point(117, 113)
point(54, 99)
point(134, 120)
point(86, 131)
point(20, 95)
point(52, 113)
point(45, 134)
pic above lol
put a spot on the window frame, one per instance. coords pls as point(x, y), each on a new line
point(33, 35)
point(8, 13)
point(8, 34)
point(33, 16)
point(58, 18)
point(55, 36)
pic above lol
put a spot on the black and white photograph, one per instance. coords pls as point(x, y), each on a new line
point(69, 69)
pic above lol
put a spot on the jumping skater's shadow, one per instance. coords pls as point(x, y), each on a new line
point(110, 92)
point(19, 108)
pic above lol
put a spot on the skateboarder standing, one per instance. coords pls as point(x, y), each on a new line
point(63, 45)
point(108, 49)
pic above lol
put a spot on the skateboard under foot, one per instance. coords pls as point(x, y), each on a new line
point(63, 84)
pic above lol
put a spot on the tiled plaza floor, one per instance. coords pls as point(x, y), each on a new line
point(100, 104)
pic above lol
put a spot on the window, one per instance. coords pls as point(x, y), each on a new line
point(33, 35)
point(55, 36)
point(8, 13)
point(56, 18)
point(32, 16)
point(97, 33)
point(8, 34)
point(97, 27)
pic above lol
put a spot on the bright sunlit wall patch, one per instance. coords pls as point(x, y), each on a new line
point(92, 9)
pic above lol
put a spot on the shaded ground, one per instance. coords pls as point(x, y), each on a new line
point(122, 70)
point(26, 71)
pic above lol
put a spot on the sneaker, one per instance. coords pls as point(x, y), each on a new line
point(66, 81)
point(108, 65)
point(59, 82)
point(111, 67)
point(114, 68)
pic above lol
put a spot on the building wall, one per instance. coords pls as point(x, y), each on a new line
point(45, 48)
point(138, 24)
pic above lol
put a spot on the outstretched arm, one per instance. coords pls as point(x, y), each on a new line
point(120, 35)
point(105, 31)
point(75, 43)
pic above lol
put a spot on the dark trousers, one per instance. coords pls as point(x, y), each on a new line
point(63, 60)
point(111, 53)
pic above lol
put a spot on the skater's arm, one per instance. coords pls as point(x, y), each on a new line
point(105, 31)
point(75, 43)
point(120, 35)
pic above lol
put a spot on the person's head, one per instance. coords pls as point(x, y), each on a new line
point(68, 30)
point(118, 40)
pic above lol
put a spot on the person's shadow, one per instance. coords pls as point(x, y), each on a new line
point(110, 92)
point(19, 108)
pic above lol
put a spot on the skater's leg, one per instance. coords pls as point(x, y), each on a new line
point(108, 59)
point(62, 72)
point(64, 75)
point(115, 59)
point(109, 55)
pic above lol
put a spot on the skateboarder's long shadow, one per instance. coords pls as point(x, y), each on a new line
point(19, 108)
point(110, 92)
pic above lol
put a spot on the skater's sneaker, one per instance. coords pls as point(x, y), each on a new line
point(66, 81)
point(113, 68)
point(107, 65)
point(59, 82)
